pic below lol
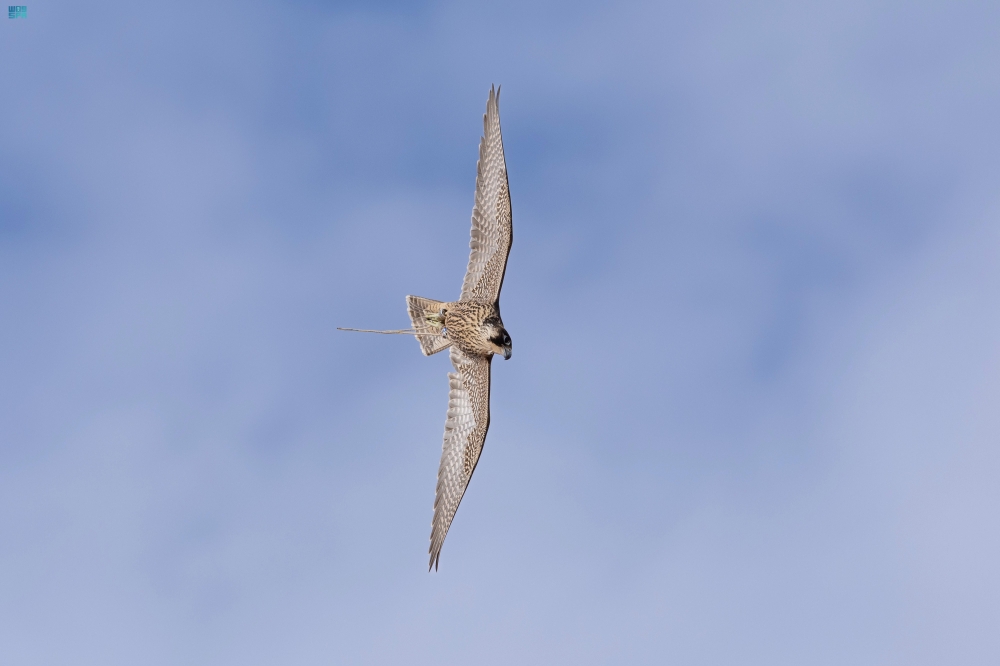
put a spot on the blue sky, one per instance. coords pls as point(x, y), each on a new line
point(751, 413)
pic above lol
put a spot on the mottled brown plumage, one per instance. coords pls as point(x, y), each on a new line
point(471, 327)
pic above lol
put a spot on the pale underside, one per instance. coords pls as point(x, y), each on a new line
point(464, 436)
point(469, 396)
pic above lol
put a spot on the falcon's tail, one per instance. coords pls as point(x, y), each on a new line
point(423, 312)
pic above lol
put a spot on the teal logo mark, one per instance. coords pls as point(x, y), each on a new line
point(17, 11)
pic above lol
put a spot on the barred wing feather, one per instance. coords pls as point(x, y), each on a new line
point(492, 229)
point(464, 435)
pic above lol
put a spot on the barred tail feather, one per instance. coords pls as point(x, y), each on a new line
point(419, 308)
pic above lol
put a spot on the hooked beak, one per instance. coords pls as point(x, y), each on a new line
point(506, 353)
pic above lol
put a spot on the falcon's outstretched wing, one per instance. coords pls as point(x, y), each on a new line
point(492, 231)
point(464, 434)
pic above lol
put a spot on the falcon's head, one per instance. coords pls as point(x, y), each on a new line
point(498, 336)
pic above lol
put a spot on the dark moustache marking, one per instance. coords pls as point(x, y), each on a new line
point(501, 339)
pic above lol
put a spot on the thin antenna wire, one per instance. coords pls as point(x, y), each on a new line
point(402, 331)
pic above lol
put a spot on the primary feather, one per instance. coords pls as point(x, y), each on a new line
point(492, 229)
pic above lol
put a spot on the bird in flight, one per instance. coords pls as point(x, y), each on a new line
point(471, 327)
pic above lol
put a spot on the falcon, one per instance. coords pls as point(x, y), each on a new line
point(471, 327)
